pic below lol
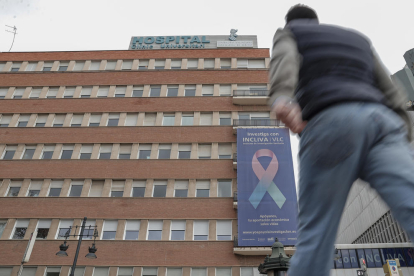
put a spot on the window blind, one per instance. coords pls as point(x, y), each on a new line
point(225, 62)
point(95, 118)
point(225, 89)
point(223, 227)
point(164, 146)
point(77, 119)
point(41, 119)
point(79, 65)
point(52, 92)
point(204, 150)
point(126, 64)
point(209, 63)
point(95, 65)
point(181, 184)
point(110, 65)
point(44, 223)
point(35, 93)
point(242, 63)
point(21, 223)
point(100, 271)
point(138, 183)
point(203, 184)
point(145, 146)
point(105, 148)
point(110, 225)
point(56, 184)
point(69, 91)
point(155, 225)
point(125, 149)
point(131, 119)
point(35, 185)
point(103, 91)
point(149, 119)
point(225, 149)
point(67, 147)
point(207, 89)
point(178, 225)
point(192, 63)
point(29, 271)
point(223, 271)
point(66, 223)
point(96, 188)
point(19, 91)
point(86, 148)
point(132, 225)
point(256, 63)
point(86, 91)
point(5, 119)
point(118, 186)
point(24, 118)
point(160, 62)
point(184, 147)
point(198, 272)
point(201, 227)
point(176, 63)
point(170, 272)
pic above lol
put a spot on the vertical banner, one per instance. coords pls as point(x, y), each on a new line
point(266, 192)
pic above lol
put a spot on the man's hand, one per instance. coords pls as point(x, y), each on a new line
point(290, 114)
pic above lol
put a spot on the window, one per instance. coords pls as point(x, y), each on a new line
point(204, 151)
point(34, 189)
point(5, 271)
point(224, 188)
point(117, 189)
point(160, 188)
point(69, 92)
point(262, 116)
point(143, 64)
point(18, 93)
point(63, 66)
point(209, 63)
point(223, 230)
point(149, 271)
point(95, 64)
point(105, 151)
point(249, 271)
point(202, 188)
point(41, 120)
point(176, 64)
point(184, 151)
point(144, 151)
point(35, 93)
point(15, 66)
point(47, 66)
point(172, 90)
point(242, 63)
point(20, 229)
point(79, 65)
point(192, 63)
point(225, 63)
point(137, 91)
point(159, 64)
point(5, 120)
point(109, 229)
point(168, 119)
point(150, 119)
point(28, 152)
point(103, 91)
point(67, 151)
point(89, 230)
point(2, 226)
point(29, 271)
point(181, 188)
point(120, 91)
point(76, 120)
point(138, 188)
point(59, 119)
point(155, 91)
point(225, 119)
point(55, 188)
point(200, 230)
point(132, 229)
point(31, 66)
point(48, 151)
point(53, 271)
point(110, 65)
point(207, 90)
point(154, 230)
point(256, 63)
point(223, 271)
point(187, 119)
point(225, 89)
point(2, 64)
point(164, 151)
point(174, 271)
point(189, 90)
point(125, 151)
point(95, 120)
point(52, 92)
point(125, 271)
point(23, 120)
point(86, 92)
point(76, 188)
point(64, 226)
point(206, 119)
point(86, 152)
point(9, 152)
point(96, 188)
point(244, 116)
point(224, 150)
point(131, 119)
point(100, 271)
point(126, 64)
point(14, 188)
point(80, 271)
point(113, 119)
point(177, 230)
point(43, 228)
point(3, 92)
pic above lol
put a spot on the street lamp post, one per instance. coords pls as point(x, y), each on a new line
point(63, 247)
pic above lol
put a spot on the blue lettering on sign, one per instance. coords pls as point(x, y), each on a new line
point(169, 38)
point(179, 41)
point(195, 39)
point(159, 40)
point(186, 38)
point(149, 40)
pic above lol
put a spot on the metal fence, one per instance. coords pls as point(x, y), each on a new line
point(250, 93)
point(257, 122)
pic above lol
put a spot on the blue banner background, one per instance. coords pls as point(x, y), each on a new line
point(255, 226)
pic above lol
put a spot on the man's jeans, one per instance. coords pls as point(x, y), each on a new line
point(339, 145)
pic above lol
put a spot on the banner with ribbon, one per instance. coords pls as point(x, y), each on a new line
point(267, 204)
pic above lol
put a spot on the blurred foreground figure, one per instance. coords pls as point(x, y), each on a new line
point(329, 86)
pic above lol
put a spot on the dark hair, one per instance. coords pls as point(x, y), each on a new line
point(300, 11)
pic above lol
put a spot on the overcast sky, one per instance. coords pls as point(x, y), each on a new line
point(56, 25)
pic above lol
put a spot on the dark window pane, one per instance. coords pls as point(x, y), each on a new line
point(224, 238)
point(177, 235)
point(14, 70)
point(22, 124)
point(200, 237)
point(119, 95)
point(47, 155)
point(159, 190)
point(4, 125)
point(138, 191)
point(40, 124)
point(13, 191)
point(104, 155)
point(124, 156)
point(108, 235)
point(172, 92)
point(85, 155)
point(88, 232)
point(142, 67)
point(113, 122)
point(159, 67)
point(75, 125)
point(131, 235)
point(224, 189)
point(9, 155)
point(225, 121)
point(47, 68)
point(17, 97)
point(66, 154)
point(137, 93)
point(164, 154)
point(117, 194)
point(42, 233)
point(19, 233)
point(155, 92)
point(224, 156)
point(93, 124)
point(66, 97)
point(57, 125)
point(85, 96)
point(76, 190)
point(54, 191)
point(62, 232)
point(144, 154)
point(154, 235)
point(190, 92)
point(63, 68)
point(184, 154)
point(28, 154)
point(181, 193)
point(52, 273)
point(203, 193)
point(34, 193)
point(51, 97)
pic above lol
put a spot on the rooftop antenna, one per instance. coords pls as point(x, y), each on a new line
point(14, 32)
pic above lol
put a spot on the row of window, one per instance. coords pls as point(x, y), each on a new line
point(117, 151)
point(141, 64)
point(119, 188)
point(120, 91)
point(128, 231)
point(129, 271)
point(128, 119)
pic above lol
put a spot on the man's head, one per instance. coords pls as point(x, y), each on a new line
point(300, 11)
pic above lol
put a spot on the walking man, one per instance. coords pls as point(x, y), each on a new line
point(328, 85)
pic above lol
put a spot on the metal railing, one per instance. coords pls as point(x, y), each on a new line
point(235, 197)
point(235, 241)
point(250, 93)
point(257, 122)
point(235, 157)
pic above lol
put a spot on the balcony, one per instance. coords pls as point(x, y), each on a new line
point(235, 200)
point(265, 122)
point(257, 250)
point(250, 97)
point(235, 161)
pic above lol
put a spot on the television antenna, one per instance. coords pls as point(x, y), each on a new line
point(14, 32)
